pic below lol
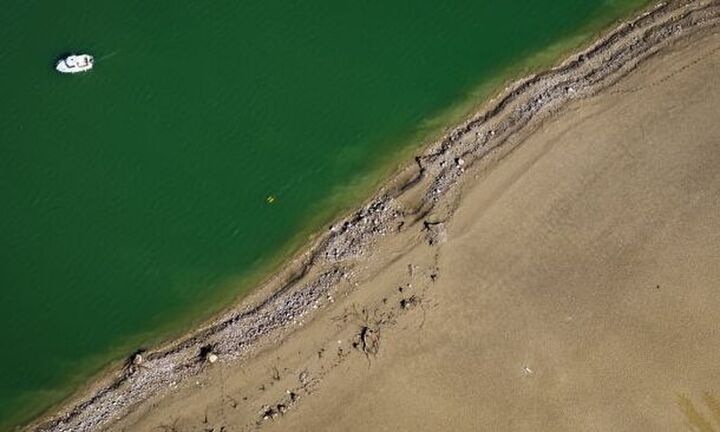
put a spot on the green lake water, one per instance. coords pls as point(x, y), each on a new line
point(133, 194)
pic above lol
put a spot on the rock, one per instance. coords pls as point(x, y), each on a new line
point(435, 233)
point(368, 341)
point(304, 378)
point(212, 358)
point(409, 303)
point(269, 413)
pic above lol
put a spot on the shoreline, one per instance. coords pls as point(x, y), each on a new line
point(271, 312)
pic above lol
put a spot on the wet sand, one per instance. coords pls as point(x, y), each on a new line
point(549, 265)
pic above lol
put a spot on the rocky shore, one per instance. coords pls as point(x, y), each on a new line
point(311, 280)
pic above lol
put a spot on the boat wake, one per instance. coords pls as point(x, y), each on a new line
point(107, 56)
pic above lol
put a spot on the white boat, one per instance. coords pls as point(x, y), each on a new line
point(75, 63)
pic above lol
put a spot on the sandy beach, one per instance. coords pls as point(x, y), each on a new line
point(549, 265)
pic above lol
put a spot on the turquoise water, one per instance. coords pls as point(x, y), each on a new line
point(133, 193)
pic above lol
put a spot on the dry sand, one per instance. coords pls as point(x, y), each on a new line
point(566, 283)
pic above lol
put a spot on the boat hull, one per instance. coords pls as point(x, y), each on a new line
point(75, 64)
